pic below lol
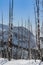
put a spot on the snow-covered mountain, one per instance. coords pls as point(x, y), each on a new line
point(22, 37)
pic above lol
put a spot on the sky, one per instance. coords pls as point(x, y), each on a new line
point(23, 9)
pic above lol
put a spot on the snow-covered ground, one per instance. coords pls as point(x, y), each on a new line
point(20, 62)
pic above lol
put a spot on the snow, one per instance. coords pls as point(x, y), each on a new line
point(3, 61)
point(20, 62)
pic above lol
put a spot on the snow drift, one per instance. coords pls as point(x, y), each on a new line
point(20, 62)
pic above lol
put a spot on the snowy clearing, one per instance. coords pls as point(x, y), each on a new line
point(20, 62)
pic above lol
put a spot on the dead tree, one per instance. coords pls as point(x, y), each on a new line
point(10, 29)
point(22, 40)
point(35, 30)
point(29, 49)
point(38, 26)
point(18, 41)
point(2, 43)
